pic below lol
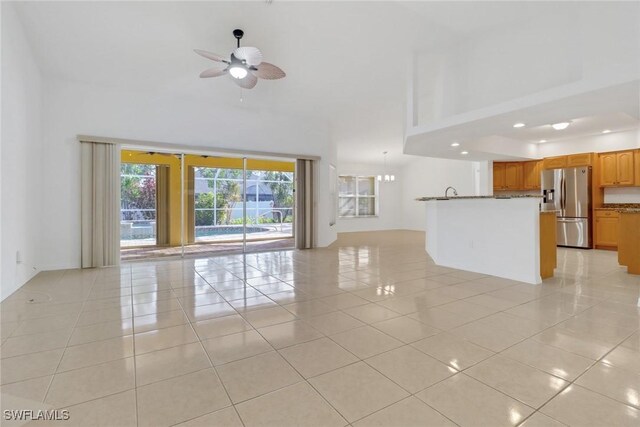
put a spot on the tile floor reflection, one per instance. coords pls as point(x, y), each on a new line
point(368, 332)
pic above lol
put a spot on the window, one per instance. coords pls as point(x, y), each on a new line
point(357, 196)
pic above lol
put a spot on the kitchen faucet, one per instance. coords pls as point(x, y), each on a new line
point(446, 192)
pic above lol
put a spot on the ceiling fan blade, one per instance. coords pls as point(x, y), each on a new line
point(212, 56)
point(251, 55)
point(213, 72)
point(269, 71)
point(249, 82)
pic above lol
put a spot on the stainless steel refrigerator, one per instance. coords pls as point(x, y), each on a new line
point(568, 191)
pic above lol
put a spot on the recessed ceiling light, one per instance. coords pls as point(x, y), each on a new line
point(464, 153)
point(455, 144)
point(606, 131)
point(542, 141)
point(561, 125)
point(518, 125)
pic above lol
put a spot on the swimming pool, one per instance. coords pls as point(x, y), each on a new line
point(225, 230)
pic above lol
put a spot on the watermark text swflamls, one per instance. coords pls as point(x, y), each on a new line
point(36, 415)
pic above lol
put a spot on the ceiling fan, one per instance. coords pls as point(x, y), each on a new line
point(244, 67)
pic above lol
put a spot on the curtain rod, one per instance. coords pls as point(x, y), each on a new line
point(191, 149)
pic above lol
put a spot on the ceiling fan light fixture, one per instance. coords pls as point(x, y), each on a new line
point(244, 66)
point(238, 72)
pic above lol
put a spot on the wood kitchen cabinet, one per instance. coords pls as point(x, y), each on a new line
point(617, 169)
point(607, 229)
point(637, 167)
point(531, 175)
point(582, 159)
point(608, 169)
point(507, 176)
point(629, 242)
point(557, 162)
point(625, 168)
point(499, 179)
point(513, 176)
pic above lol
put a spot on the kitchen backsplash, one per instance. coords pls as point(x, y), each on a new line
point(622, 195)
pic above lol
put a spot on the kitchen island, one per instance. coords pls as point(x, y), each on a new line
point(500, 236)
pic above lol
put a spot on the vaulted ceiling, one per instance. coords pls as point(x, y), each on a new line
point(346, 62)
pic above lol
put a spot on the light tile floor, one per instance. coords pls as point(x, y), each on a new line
point(368, 332)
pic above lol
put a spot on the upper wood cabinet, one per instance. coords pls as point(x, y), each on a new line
point(570, 161)
point(617, 169)
point(608, 169)
point(507, 176)
point(513, 176)
point(499, 179)
point(625, 168)
point(582, 159)
point(555, 162)
point(531, 175)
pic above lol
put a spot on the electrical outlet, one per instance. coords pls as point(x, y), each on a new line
point(18, 257)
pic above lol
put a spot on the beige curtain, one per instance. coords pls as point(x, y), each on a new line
point(100, 204)
point(304, 218)
point(162, 205)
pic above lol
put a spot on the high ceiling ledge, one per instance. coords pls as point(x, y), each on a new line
point(488, 133)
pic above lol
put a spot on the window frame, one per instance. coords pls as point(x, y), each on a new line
point(356, 196)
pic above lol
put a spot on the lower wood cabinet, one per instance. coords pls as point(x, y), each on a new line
point(607, 223)
point(629, 242)
point(548, 244)
point(637, 167)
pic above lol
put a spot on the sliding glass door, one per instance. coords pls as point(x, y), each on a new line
point(138, 205)
point(218, 209)
point(269, 205)
point(175, 204)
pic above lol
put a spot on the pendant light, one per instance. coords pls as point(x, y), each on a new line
point(386, 177)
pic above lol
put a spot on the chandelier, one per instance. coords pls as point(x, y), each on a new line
point(386, 177)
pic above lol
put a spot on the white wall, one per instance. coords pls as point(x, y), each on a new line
point(595, 143)
point(75, 108)
point(622, 195)
point(390, 197)
point(560, 44)
point(426, 176)
point(21, 160)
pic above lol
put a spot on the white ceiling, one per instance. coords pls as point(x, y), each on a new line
point(346, 62)
point(579, 126)
point(492, 136)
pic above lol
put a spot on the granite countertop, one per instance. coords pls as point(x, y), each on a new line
point(620, 207)
point(516, 196)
